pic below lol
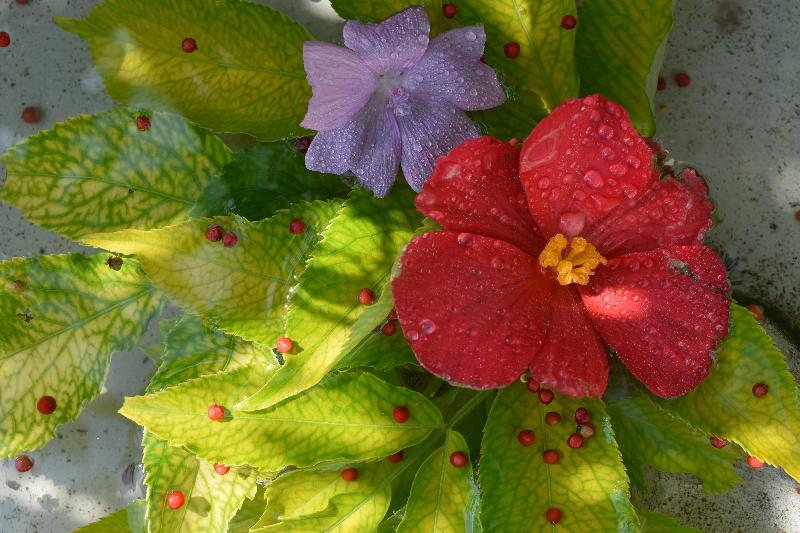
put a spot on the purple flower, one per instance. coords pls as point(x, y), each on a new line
point(393, 97)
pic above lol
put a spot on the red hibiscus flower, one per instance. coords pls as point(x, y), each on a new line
point(549, 255)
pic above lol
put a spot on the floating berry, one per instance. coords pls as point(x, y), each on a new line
point(214, 233)
point(221, 469)
point(189, 45)
point(349, 474)
point(23, 463)
point(400, 414)
point(175, 500)
point(546, 396)
point(717, 442)
point(449, 10)
point(755, 462)
point(216, 412)
point(553, 515)
point(582, 415)
point(366, 296)
point(297, 226)
point(683, 79)
point(5, 39)
point(458, 459)
point(757, 310)
point(575, 441)
point(114, 263)
point(230, 239)
point(511, 50)
point(46, 405)
point(550, 457)
point(586, 430)
point(662, 84)
point(301, 144)
point(526, 437)
point(142, 123)
point(760, 390)
point(552, 418)
point(284, 344)
point(23, 2)
point(389, 328)
point(533, 385)
point(568, 22)
point(31, 115)
point(395, 457)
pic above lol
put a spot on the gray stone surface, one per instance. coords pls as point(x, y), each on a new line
point(738, 122)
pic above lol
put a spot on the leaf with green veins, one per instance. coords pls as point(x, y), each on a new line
point(443, 497)
point(724, 404)
point(62, 318)
point(588, 484)
point(325, 319)
point(390, 523)
point(659, 523)
point(618, 43)
point(647, 434)
point(346, 418)
point(542, 76)
point(249, 514)
point(98, 173)
point(379, 10)
point(243, 290)
point(246, 74)
point(265, 178)
point(128, 519)
point(379, 351)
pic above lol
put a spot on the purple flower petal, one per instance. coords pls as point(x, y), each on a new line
point(392, 46)
point(451, 69)
point(341, 83)
point(430, 128)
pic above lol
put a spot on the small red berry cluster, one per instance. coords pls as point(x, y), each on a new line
point(682, 80)
point(216, 233)
point(390, 326)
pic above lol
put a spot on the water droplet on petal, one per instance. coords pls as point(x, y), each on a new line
point(426, 198)
point(605, 131)
point(427, 326)
point(607, 154)
point(465, 239)
point(497, 263)
point(470, 36)
point(571, 224)
point(618, 169)
point(412, 335)
point(593, 179)
point(595, 116)
point(544, 183)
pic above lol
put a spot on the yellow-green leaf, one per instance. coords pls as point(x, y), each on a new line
point(62, 318)
point(724, 404)
point(647, 434)
point(346, 418)
point(243, 290)
point(618, 53)
point(245, 75)
point(129, 519)
point(325, 319)
point(588, 484)
point(249, 514)
point(381, 352)
point(659, 523)
point(99, 173)
point(379, 10)
point(444, 498)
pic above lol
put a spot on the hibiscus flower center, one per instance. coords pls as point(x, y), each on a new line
point(396, 94)
point(577, 265)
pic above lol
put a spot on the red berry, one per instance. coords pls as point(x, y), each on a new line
point(214, 233)
point(550, 457)
point(216, 412)
point(46, 405)
point(23, 2)
point(582, 415)
point(189, 45)
point(760, 390)
point(23, 463)
point(586, 430)
point(284, 344)
point(683, 79)
point(553, 515)
point(568, 22)
point(755, 462)
point(458, 459)
point(449, 10)
point(797, 215)
point(396, 457)
point(349, 474)
point(533, 385)
point(575, 441)
point(717, 442)
point(297, 226)
point(552, 418)
point(5, 39)
point(757, 310)
point(526, 437)
point(301, 144)
point(389, 328)
point(366, 296)
point(511, 50)
point(221, 469)
point(662, 84)
point(142, 123)
point(175, 500)
point(400, 414)
point(546, 396)
point(31, 114)
point(797, 490)
point(230, 239)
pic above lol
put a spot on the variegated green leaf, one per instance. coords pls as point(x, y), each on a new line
point(249, 514)
point(245, 75)
point(381, 352)
point(587, 484)
point(129, 519)
point(618, 49)
point(346, 418)
point(659, 523)
point(62, 318)
point(378, 10)
point(99, 173)
point(325, 319)
point(243, 290)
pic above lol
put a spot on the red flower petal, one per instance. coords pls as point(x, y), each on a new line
point(671, 212)
point(580, 162)
point(573, 359)
point(475, 189)
point(474, 310)
point(664, 312)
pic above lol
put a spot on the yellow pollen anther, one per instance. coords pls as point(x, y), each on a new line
point(579, 263)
